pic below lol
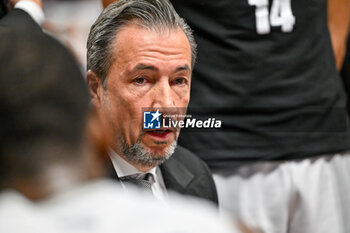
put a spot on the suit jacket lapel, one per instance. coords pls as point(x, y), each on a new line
point(176, 176)
point(111, 173)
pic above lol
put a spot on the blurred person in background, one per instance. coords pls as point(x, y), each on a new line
point(141, 55)
point(52, 149)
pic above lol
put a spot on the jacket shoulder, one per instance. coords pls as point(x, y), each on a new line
point(201, 183)
point(17, 20)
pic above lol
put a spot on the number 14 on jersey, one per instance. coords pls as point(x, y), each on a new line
point(281, 15)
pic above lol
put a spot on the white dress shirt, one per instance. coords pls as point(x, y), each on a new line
point(33, 10)
point(124, 168)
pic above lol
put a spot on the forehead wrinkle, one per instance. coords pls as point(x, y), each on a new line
point(171, 34)
point(134, 25)
point(141, 66)
point(144, 56)
point(132, 49)
point(152, 61)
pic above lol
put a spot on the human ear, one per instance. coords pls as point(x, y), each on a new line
point(95, 88)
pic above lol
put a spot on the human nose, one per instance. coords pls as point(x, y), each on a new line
point(163, 96)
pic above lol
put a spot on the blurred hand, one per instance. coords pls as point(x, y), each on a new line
point(13, 2)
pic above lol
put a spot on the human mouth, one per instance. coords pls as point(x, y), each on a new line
point(159, 134)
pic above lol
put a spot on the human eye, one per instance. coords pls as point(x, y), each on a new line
point(140, 80)
point(180, 81)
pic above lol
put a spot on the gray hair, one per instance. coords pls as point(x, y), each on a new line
point(151, 14)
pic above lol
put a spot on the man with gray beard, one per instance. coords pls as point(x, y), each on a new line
point(141, 55)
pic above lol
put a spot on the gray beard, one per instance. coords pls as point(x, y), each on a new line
point(137, 154)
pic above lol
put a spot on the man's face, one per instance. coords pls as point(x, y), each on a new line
point(150, 69)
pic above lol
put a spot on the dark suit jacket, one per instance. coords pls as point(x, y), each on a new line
point(185, 173)
point(19, 21)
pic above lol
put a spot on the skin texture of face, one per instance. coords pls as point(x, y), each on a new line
point(150, 69)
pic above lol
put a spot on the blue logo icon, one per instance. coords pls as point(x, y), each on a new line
point(151, 120)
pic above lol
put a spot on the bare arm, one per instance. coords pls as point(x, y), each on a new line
point(339, 23)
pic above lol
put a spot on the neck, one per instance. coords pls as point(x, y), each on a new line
point(143, 168)
point(140, 167)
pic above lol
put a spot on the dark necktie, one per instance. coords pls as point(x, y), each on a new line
point(141, 180)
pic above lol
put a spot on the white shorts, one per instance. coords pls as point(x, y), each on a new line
point(299, 196)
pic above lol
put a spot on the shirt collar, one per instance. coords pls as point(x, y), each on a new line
point(123, 168)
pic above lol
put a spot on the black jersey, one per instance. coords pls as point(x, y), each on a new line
point(269, 70)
